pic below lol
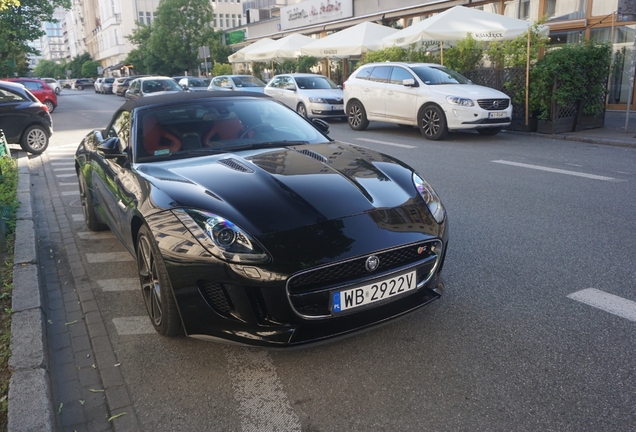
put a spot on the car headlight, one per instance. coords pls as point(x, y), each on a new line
point(431, 199)
point(457, 100)
point(317, 100)
point(221, 237)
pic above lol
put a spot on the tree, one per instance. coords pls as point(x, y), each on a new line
point(45, 68)
point(20, 23)
point(180, 28)
point(89, 68)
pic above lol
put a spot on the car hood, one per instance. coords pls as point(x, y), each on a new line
point(323, 93)
point(472, 91)
point(270, 190)
point(251, 89)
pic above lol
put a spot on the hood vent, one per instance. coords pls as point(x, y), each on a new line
point(314, 155)
point(236, 165)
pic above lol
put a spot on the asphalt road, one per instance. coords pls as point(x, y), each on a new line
point(532, 221)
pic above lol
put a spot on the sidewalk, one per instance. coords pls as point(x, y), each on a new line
point(54, 277)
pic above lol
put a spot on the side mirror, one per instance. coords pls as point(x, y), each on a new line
point(321, 125)
point(110, 148)
point(185, 87)
point(340, 87)
point(409, 83)
point(290, 87)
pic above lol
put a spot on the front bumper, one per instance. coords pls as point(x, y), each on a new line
point(476, 117)
point(258, 306)
point(318, 110)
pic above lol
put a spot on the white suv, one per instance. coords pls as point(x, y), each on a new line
point(430, 96)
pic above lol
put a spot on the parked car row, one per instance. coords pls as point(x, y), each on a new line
point(40, 89)
point(23, 118)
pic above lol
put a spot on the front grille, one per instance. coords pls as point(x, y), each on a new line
point(309, 291)
point(334, 101)
point(215, 296)
point(494, 104)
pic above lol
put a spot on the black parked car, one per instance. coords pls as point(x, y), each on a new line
point(23, 118)
point(249, 224)
point(83, 83)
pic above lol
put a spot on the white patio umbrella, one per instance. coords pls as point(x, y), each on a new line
point(454, 24)
point(239, 56)
point(353, 41)
point(287, 47)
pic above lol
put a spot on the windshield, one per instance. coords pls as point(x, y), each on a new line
point(315, 83)
point(159, 85)
point(438, 75)
point(198, 82)
point(109, 80)
point(247, 81)
point(208, 126)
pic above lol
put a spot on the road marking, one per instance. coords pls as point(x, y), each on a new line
point(263, 403)
point(89, 235)
point(386, 143)
point(556, 170)
point(63, 163)
point(608, 302)
point(78, 217)
point(135, 325)
point(65, 175)
point(64, 169)
point(69, 193)
point(106, 257)
point(122, 284)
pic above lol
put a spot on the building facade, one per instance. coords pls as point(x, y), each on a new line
point(570, 21)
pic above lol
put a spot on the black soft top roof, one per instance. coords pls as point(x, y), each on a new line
point(186, 96)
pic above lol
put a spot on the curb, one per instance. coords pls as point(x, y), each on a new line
point(30, 399)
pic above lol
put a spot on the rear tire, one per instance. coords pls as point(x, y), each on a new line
point(50, 106)
point(357, 116)
point(35, 139)
point(489, 131)
point(80, 87)
point(155, 286)
point(433, 123)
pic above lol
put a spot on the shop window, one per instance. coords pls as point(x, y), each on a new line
point(560, 10)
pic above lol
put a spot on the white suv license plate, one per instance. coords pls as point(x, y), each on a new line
point(496, 114)
point(364, 295)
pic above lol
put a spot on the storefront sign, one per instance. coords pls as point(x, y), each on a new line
point(314, 12)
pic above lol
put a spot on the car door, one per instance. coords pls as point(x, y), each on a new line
point(287, 91)
point(401, 100)
point(374, 92)
point(107, 173)
point(13, 114)
point(36, 88)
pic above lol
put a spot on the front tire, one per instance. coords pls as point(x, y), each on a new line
point(155, 286)
point(357, 116)
point(433, 123)
point(301, 109)
point(90, 217)
point(489, 131)
point(35, 139)
point(80, 87)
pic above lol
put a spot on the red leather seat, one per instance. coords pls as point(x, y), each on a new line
point(224, 130)
point(157, 138)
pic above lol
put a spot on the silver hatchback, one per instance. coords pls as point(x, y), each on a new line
point(311, 95)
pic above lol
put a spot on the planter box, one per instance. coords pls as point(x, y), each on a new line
point(565, 124)
point(519, 124)
point(591, 122)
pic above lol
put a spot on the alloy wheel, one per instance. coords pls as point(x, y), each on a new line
point(150, 284)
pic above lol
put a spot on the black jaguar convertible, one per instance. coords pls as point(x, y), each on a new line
point(250, 225)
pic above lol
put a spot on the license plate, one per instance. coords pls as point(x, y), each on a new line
point(496, 115)
point(367, 294)
point(337, 107)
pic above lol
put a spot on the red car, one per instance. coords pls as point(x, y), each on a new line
point(40, 90)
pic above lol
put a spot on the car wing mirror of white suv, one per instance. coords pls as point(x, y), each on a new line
point(290, 87)
point(409, 83)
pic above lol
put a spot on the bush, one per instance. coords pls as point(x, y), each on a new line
point(221, 69)
point(572, 74)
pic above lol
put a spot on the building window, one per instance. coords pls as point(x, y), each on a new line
point(527, 9)
point(148, 18)
point(227, 20)
point(141, 17)
point(560, 10)
point(233, 20)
